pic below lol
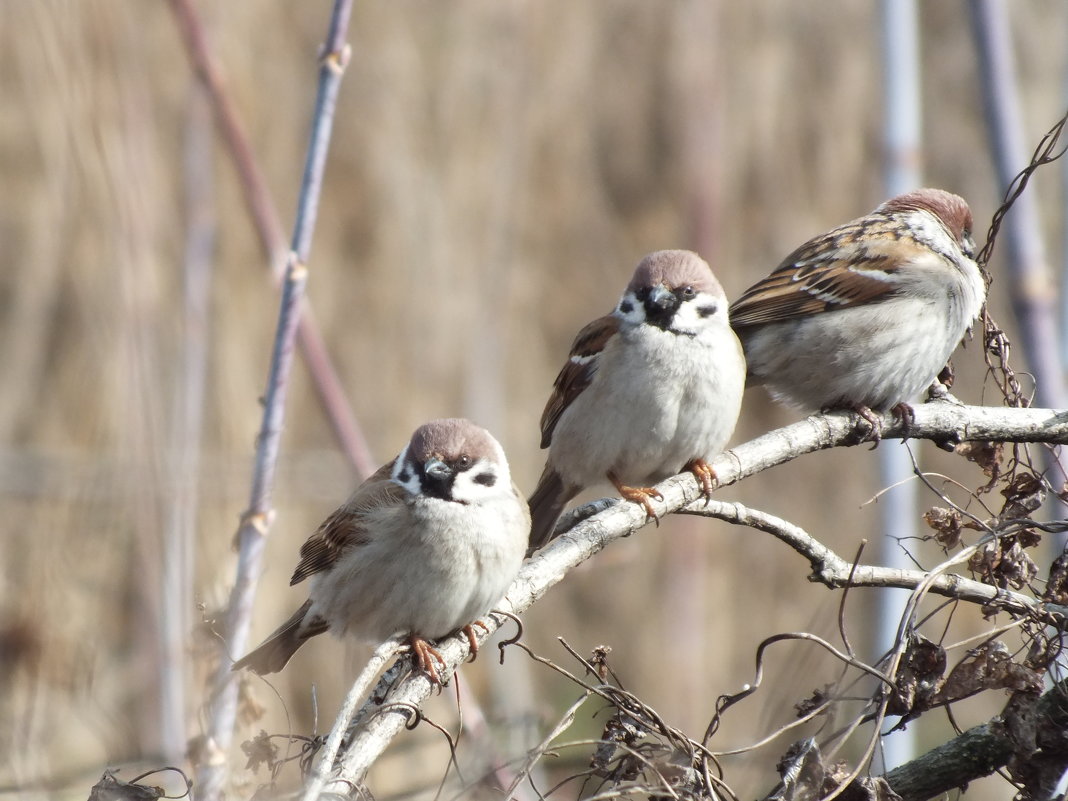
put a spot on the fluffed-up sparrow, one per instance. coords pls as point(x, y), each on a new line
point(648, 390)
point(866, 315)
point(423, 547)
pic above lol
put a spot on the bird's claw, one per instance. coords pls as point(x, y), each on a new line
point(424, 654)
point(905, 415)
point(639, 495)
point(472, 642)
point(874, 434)
point(642, 495)
point(705, 476)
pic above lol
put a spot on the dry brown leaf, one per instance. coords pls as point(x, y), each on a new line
point(1057, 584)
point(987, 455)
point(946, 525)
point(260, 750)
point(919, 677)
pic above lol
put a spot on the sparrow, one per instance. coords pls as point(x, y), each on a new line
point(423, 547)
point(648, 390)
point(866, 315)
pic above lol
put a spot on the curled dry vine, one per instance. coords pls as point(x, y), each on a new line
point(996, 345)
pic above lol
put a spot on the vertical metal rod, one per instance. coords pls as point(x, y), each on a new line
point(901, 173)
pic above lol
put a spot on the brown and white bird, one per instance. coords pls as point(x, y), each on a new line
point(649, 390)
point(423, 547)
point(866, 315)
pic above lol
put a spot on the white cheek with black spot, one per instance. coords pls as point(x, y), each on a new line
point(483, 481)
point(405, 474)
point(630, 309)
point(700, 313)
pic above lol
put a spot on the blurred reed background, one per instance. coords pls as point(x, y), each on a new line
point(497, 169)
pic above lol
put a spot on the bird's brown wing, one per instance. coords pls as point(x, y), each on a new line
point(577, 374)
point(856, 263)
point(346, 527)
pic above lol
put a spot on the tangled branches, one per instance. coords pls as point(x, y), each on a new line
point(989, 565)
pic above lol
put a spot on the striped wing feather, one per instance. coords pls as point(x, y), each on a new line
point(577, 374)
point(346, 528)
point(857, 263)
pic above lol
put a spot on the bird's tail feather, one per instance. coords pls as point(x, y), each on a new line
point(546, 503)
point(274, 652)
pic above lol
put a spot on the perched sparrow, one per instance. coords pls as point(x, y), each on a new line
point(422, 547)
point(865, 316)
point(650, 389)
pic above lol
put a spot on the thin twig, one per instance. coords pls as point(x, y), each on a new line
point(255, 522)
point(177, 584)
point(266, 222)
point(382, 654)
point(830, 569)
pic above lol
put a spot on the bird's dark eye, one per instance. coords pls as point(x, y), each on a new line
point(688, 293)
point(642, 293)
point(486, 479)
point(967, 243)
point(463, 462)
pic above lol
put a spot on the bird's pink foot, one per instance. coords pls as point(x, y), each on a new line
point(905, 415)
point(472, 642)
point(425, 654)
point(704, 474)
point(874, 434)
point(638, 495)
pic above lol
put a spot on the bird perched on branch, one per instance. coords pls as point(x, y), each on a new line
point(423, 547)
point(649, 390)
point(866, 315)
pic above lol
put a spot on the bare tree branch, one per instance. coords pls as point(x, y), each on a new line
point(268, 226)
point(178, 551)
point(832, 570)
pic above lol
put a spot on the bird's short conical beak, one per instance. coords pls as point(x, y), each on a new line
point(437, 469)
point(662, 298)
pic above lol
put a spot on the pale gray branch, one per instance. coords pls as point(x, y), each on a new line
point(834, 571)
point(255, 522)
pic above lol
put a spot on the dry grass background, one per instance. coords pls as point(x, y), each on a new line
point(497, 170)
